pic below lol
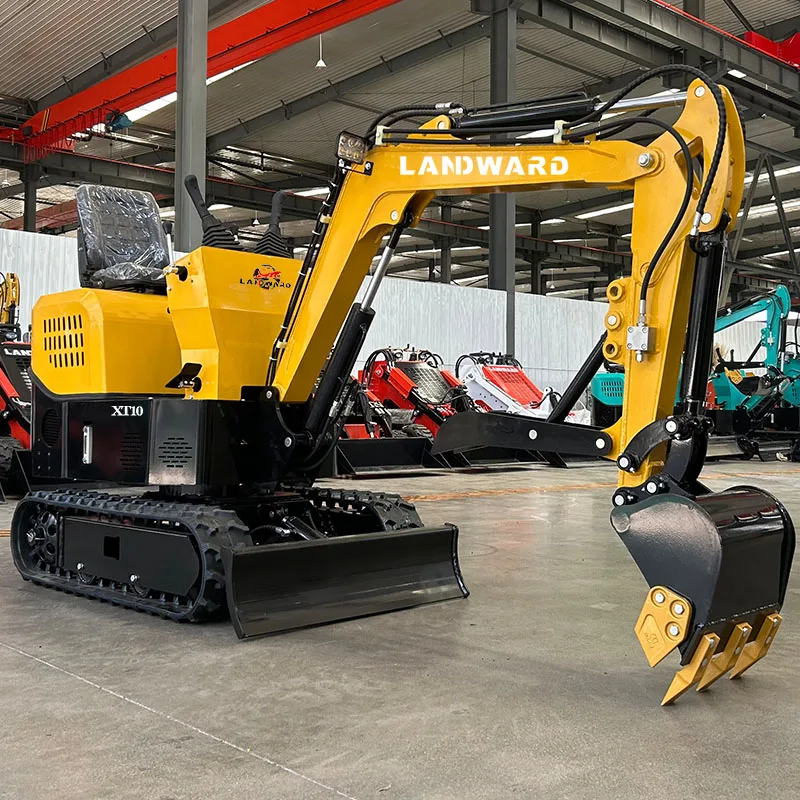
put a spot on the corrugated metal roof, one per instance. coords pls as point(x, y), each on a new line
point(43, 41)
point(757, 12)
point(290, 73)
point(591, 63)
point(462, 74)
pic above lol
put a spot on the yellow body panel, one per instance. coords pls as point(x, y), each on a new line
point(96, 341)
point(226, 314)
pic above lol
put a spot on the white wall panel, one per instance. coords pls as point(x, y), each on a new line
point(449, 320)
point(742, 338)
point(44, 264)
point(554, 335)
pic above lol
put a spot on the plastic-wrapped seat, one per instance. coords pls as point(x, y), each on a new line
point(121, 244)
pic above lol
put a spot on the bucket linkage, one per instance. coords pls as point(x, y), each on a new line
point(717, 563)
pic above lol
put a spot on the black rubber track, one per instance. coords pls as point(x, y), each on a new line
point(210, 528)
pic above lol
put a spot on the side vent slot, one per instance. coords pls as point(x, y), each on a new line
point(63, 341)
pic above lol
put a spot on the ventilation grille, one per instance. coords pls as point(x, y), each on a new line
point(51, 427)
point(431, 384)
point(63, 341)
point(131, 455)
point(609, 387)
point(174, 452)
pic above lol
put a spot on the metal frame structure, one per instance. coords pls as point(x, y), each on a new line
point(523, 250)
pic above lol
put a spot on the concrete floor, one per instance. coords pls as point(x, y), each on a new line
point(534, 687)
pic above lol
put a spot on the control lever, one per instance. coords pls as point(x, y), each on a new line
point(215, 234)
point(272, 243)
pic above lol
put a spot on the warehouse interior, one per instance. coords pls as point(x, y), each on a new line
point(341, 328)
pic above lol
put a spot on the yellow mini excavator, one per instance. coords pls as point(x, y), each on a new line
point(212, 382)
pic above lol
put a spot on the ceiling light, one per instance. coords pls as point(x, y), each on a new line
point(736, 73)
point(215, 78)
point(155, 105)
point(321, 63)
point(151, 107)
point(601, 212)
point(518, 225)
point(779, 253)
point(317, 192)
point(779, 173)
point(553, 221)
point(771, 208)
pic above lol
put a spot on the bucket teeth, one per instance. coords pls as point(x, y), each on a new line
point(693, 672)
point(722, 662)
point(757, 649)
point(739, 655)
point(663, 623)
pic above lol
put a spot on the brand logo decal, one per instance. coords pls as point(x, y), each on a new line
point(266, 277)
point(127, 411)
point(486, 166)
point(16, 353)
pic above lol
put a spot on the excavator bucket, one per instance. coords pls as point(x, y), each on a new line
point(717, 567)
point(278, 587)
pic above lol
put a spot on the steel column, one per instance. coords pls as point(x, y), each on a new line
point(190, 134)
point(445, 275)
point(30, 178)
point(502, 206)
point(697, 8)
point(536, 259)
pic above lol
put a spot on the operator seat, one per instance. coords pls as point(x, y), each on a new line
point(121, 244)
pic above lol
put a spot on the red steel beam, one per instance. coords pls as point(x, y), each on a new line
point(56, 216)
point(258, 33)
point(787, 51)
point(52, 217)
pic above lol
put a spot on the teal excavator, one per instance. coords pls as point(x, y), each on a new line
point(739, 400)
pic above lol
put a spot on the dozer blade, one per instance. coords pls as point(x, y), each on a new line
point(278, 587)
point(718, 567)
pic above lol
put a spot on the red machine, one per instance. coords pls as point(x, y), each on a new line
point(15, 398)
point(414, 381)
point(15, 381)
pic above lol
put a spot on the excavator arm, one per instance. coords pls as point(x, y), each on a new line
point(9, 299)
point(717, 564)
